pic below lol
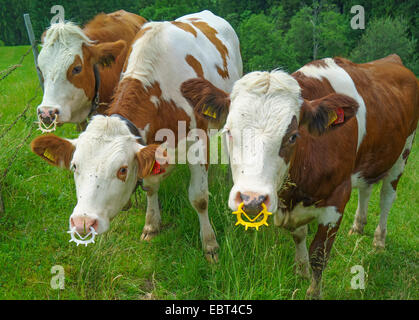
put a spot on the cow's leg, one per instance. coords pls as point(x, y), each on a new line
point(326, 233)
point(152, 218)
point(360, 220)
point(198, 196)
point(388, 193)
point(319, 253)
point(302, 264)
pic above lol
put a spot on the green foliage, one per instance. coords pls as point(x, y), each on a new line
point(273, 33)
point(263, 45)
point(385, 36)
point(328, 30)
point(168, 10)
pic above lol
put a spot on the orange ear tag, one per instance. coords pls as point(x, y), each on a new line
point(252, 223)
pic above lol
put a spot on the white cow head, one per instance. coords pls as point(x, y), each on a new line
point(107, 161)
point(66, 62)
point(262, 129)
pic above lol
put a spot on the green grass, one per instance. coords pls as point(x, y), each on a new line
point(253, 265)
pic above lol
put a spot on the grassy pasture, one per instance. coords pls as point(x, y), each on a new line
point(253, 265)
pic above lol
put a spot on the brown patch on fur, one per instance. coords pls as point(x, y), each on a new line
point(53, 149)
point(185, 27)
point(85, 79)
point(133, 101)
point(390, 94)
point(287, 148)
point(395, 182)
point(211, 34)
point(318, 63)
point(202, 94)
point(201, 205)
point(103, 54)
point(196, 65)
point(120, 28)
point(312, 88)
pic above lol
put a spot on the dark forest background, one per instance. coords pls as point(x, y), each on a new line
point(274, 33)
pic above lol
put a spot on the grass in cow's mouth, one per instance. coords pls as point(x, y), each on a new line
point(252, 265)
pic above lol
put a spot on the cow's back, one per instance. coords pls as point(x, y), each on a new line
point(391, 95)
point(387, 94)
point(166, 54)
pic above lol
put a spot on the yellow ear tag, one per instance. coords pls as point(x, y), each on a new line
point(332, 117)
point(252, 223)
point(208, 111)
point(49, 155)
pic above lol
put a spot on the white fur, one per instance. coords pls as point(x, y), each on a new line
point(342, 83)
point(159, 56)
point(62, 43)
point(263, 105)
point(101, 150)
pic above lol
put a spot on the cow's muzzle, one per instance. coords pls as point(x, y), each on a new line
point(252, 202)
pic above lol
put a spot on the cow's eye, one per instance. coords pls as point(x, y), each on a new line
point(76, 70)
point(293, 138)
point(122, 173)
point(73, 167)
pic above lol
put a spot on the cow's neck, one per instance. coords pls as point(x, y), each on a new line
point(318, 166)
point(146, 108)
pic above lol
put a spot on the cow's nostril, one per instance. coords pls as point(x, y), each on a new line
point(252, 202)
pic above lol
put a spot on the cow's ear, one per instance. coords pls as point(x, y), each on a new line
point(327, 113)
point(55, 150)
point(152, 160)
point(106, 53)
point(207, 100)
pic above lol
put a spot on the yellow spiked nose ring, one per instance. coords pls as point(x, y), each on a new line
point(252, 223)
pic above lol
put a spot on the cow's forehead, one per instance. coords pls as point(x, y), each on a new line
point(106, 140)
point(265, 101)
point(56, 59)
point(62, 43)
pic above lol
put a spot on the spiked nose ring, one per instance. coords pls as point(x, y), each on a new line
point(255, 222)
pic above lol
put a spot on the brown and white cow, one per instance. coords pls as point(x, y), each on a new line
point(299, 143)
point(81, 67)
point(110, 156)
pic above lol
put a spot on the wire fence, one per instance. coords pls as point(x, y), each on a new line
point(9, 162)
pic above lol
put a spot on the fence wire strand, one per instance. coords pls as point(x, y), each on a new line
point(3, 74)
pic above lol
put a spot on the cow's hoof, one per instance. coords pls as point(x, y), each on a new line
point(354, 231)
point(379, 244)
point(379, 239)
point(211, 251)
point(148, 233)
point(212, 257)
point(313, 293)
point(302, 269)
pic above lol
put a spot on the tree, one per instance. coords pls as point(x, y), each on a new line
point(263, 45)
point(319, 31)
point(385, 36)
